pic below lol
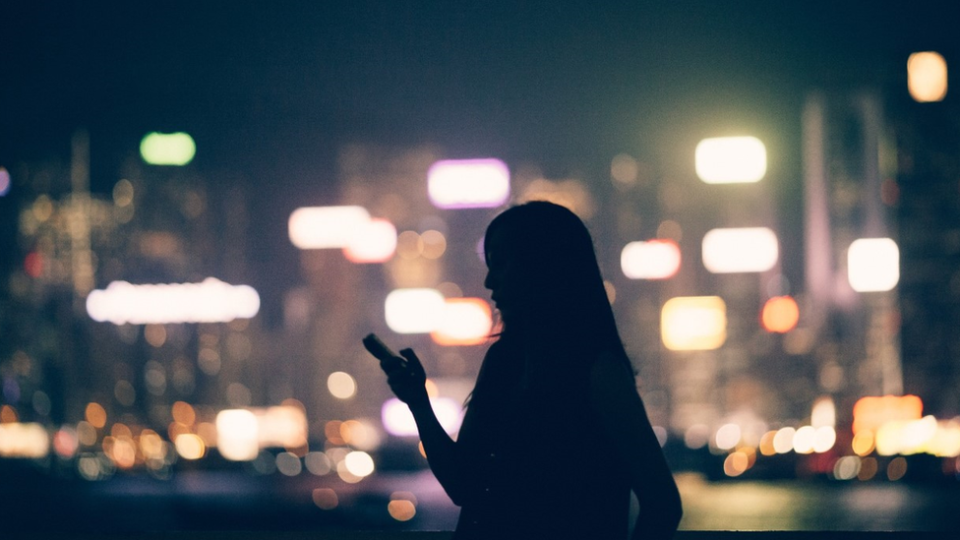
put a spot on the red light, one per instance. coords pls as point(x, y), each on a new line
point(33, 264)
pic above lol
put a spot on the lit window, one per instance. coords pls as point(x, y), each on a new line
point(728, 160)
point(471, 183)
point(927, 76)
point(693, 323)
point(873, 264)
point(167, 148)
point(751, 249)
point(319, 227)
point(414, 311)
point(465, 321)
point(655, 259)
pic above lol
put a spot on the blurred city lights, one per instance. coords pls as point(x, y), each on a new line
point(873, 264)
point(190, 446)
point(824, 413)
point(325, 498)
point(728, 436)
point(927, 76)
point(653, 259)
point(870, 413)
point(209, 301)
point(783, 440)
point(804, 440)
point(727, 160)
point(374, 242)
point(341, 385)
point(414, 311)
point(735, 464)
point(398, 420)
point(320, 227)
point(24, 440)
point(693, 323)
point(282, 425)
point(465, 321)
point(780, 314)
point(167, 148)
point(401, 509)
point(471, 183)
point(237, 437)
point(289, 464)
point(749, 249)
point(4, 181)
point(359, 463)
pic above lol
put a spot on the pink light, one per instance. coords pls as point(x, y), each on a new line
point(469, 183)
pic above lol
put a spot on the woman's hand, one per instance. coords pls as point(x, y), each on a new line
point(406, 377)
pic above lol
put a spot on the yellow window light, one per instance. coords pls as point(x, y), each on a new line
point(167, 148)
point(691, 323)
point(927, 76)
point(731, 160)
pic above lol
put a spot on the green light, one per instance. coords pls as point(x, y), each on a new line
point(167, 148)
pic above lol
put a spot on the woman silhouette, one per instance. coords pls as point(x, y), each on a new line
point(555, 435)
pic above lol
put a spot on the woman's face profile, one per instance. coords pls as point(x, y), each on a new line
point(501, 277)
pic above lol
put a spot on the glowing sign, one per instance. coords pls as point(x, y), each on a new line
point(729, 160)
point(398, 420)
point(927, 76)
point(873, 264)
point(780, 314)
point(167, 148)
point(414, 311)
point(751, 249)
point(693, 323)
point(374, 242)
point(471, 183)
point(317, 227)
point(655, 259)
point(209, 301)
point(465, 321)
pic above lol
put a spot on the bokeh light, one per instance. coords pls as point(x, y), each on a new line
point(374, 242)
point(653, 259)
point(470, 183)
point(927, 76)
point(167, 148)
point(319, 227)
point(749, 249)
point(465, 321)
point(873, 264)
point(693, 323)
point(209, 301)
point(341, 385)
point(780, 314)
point(726, 160)
point(414, 311)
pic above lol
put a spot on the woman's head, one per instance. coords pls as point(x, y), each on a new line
point(543, 270)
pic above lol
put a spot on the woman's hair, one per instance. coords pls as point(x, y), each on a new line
point(555, 268)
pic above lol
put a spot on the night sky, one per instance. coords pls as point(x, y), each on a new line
point(272, 90)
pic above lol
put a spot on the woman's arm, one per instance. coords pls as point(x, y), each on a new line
point(624, 418)
point(407, 379)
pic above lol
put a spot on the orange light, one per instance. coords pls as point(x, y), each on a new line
point(870, 413)
point(96, 415)
point(465, 321)
point(780, 314)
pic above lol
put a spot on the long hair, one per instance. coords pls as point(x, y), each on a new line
point(567, 320)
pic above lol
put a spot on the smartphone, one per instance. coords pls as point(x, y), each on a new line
point(378, 348)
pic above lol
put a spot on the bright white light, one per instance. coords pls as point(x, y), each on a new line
point(414, 311)
point(341, 385)
point(693, 323)
point(398, 420)
point(237, 435)
point(471, 183)
point(465, 321)
point(927, 76)
point(824, 439)
point(373, 243)
point(804, 440)
point(728, 436)
point(824, 413)
point(750, 249)
point(19, 440)
point(318, 227)
point(783, 440)
point(873, 264)
point(281, 425)
point(209, 301)
point(359, 463)
point(728, 160)
point(655, 259)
